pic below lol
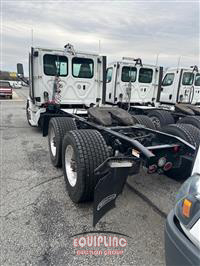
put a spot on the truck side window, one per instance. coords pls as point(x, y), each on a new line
point(197, 80)
point(55, 65)
point(82, 67)
point(168, 79)
point(109, 74)
point(145, 75)
point(129, 74)
point(188, 78)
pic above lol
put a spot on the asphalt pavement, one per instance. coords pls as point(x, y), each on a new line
point(38, 220)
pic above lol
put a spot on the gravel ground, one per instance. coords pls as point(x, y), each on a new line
point(38, 219)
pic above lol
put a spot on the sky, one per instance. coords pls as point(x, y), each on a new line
point(167, 30)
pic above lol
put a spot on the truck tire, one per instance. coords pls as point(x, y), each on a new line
point(82, 152)
point(161, 118)
point(190, 134)
point(187, 132)
point(58, 126)
point(144, 120)
point(192, 120)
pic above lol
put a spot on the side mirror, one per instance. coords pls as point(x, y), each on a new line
point(20, 70)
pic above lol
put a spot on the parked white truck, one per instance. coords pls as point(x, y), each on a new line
point(98, 146)
point(181, 85)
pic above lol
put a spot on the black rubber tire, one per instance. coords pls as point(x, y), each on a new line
point(187, 132)
point(192, 120)
point(190, 134)
point(90, 150)
point(11, 97)
point(183, 108)
point(60, 125)
point(164, 118)
point(144, 120)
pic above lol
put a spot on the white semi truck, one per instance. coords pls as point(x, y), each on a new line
point(131, 81)
point(181, 85)
point(97, 145)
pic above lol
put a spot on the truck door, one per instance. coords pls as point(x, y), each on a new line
point(186, 89)
point(84, 84)
point(110, 84)
point(51, 63)
point(169, 87)
point(196, 98)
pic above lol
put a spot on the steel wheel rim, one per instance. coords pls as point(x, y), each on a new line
point(156, 121)
point(70, 166)
point(53, 142)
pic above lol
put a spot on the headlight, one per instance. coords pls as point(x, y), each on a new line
point(187, 208)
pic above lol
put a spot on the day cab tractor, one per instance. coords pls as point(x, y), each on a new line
point(97, 145)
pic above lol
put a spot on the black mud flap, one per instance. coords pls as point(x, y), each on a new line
point(112, 175)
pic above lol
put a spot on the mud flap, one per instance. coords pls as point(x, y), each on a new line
point(112, 175)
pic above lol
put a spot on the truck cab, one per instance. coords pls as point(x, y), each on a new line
point(132, 82)
point(66, 77)
point(180, 85)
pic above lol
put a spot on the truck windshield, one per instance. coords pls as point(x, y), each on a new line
point(55, 65)
point(129, 74)
point(188, 78)
point(4, 84)
point(197, 80)
point(145, 75)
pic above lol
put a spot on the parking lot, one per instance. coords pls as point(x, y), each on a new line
point(38, 220)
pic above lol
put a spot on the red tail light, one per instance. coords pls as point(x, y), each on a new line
point(152, 168)
point(168, 166)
